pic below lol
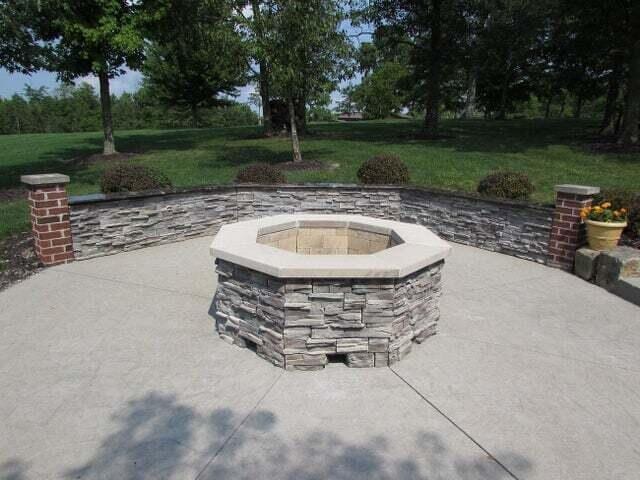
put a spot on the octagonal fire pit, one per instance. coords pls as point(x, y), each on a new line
point(303, 290)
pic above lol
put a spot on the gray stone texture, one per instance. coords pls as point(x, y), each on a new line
point(103, 225)
point(520, 230)
point(577, 189)
point(297, 323)
point(45, 179)
point(622, 262)
point(586, 263)
point(108, 227)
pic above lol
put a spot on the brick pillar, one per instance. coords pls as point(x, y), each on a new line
point(567, 230)
point(50, 224)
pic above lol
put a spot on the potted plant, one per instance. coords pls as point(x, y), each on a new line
point(604, 225)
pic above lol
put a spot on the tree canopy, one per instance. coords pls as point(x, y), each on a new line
point(193, 67)
point(74, 39)
point(466, 58)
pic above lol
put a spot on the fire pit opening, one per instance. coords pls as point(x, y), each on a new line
point(328, 238)
point(337, 358)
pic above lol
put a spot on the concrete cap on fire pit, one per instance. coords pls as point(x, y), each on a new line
point(329, 246)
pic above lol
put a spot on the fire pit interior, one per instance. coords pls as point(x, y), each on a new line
point(332, 238)
point(304, 290)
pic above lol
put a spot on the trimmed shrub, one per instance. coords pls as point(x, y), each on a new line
point(383, 170)
point(131, 177)
point(628, 199)
point(260, 173)
point(506, 184)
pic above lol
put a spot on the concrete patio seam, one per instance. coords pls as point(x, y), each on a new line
point(540, 352)
point(238, 427)
point(455, 425)
point(134, 284)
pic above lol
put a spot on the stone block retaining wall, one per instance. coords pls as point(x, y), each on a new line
point(511, 228)
point(106, 227)
point(298, 323)
point(103, 225)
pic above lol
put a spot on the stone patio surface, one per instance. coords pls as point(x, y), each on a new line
point(111, 368)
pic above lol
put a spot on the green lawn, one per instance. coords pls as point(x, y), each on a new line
point(550, 152)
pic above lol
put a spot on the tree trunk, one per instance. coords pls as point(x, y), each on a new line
point(547, 107)
point(267, 120)
point(470, 102)
point(617, 123)
point(265, 81)
point(608, 124)
point(107, 123)
point(432, 114)
point(562, 104)
point(629, 133)
point(295, 143)
point(195, 120)
point(504, 95)
point(577, 110)
point(301, 114)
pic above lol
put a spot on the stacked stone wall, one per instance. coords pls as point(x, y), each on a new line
point(103, 225)
point(514, 229)
point(301, 323)
point(104, 228)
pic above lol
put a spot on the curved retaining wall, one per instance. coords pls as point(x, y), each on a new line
point(103, 225)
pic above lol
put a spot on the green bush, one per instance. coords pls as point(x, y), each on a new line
point(131, 177)
point(260, 173)
point(383, 170)
point(624, 199)
point(506, 184)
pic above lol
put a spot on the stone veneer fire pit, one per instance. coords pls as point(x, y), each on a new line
point(303, 290)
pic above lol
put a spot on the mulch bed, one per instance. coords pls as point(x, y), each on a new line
point(13, 194)
point(630, 242)
point(305, 165)
point(18, 259)
point(83, 160)
point(609, 144)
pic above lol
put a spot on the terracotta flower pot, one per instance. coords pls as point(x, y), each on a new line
point(604, 235)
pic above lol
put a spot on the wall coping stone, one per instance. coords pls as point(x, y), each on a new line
point(45, 179)
point(103, 198)
point(577, 189)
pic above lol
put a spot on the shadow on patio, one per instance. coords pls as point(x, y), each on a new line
point(157, 436)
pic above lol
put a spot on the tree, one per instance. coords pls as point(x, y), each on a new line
point(629, 134)
point(19, 48)
point(380, 93)
point(75, 39)
point(432, 30)
point(256, 18)
point(509, 53)
point(308, 53)
point(191, 67)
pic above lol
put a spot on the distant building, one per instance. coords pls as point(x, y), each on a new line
point(351, 116)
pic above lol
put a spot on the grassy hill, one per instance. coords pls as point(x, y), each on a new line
point(550, 152)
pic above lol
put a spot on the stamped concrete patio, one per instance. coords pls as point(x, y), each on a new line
point(110, 368)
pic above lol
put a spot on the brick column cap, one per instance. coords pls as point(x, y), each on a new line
point(45, 179)
point(577, 189)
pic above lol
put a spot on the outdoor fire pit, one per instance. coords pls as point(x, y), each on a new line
point(304, 290)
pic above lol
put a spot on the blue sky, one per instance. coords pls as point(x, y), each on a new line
point(11, 83)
